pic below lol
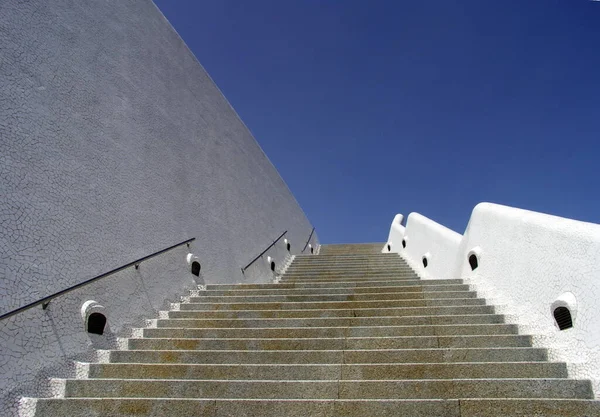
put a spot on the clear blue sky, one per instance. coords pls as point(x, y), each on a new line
point(372, 108)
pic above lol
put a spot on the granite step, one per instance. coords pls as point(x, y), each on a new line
point(485, 370)
point(161, 407)
point(326, 389)
point(425, 355)
point(331, 343)
point(411, 302)
point(339, 312)
point(325, 321)
point(321, 332)
point(329, 288)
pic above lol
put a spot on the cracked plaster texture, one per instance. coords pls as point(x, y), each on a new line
point(115, 143)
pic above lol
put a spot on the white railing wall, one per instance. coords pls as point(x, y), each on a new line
point(528, 263)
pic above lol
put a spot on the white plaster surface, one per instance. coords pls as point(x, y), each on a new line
point(425, 237)
point(528, 264)
point(115, 143)
point(528, 261)
point(395, 236)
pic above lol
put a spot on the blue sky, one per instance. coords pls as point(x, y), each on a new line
point(372, 108)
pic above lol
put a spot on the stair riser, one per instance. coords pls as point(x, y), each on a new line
point(299, 332)
point(316, 408)
point(380, 281)
point(305, 278)
point(391, 291)
point(427, 342)
point(323, 256)
point(349, 266)
point(314, 285)
point(297, 298)
point(330, 372)
point(352, 274)
point(294, 277)
point(331, 356)
point(321, 322)
point(486, 388)
point(350, 271)
point(328, 288)
point(358, 312)
point(333, 305)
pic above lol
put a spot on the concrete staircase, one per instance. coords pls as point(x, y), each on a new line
point(350, 332)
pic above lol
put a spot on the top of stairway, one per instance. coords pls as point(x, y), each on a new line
point(351, 249)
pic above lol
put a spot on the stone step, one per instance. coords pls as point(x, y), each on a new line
point(316, 263)
point(364, 269)
point(311, 285)
point(327, 389)
point(358, 279)
point(292, 278)
point(329, 321)
point(347, 287)
point(341, 312)
point(433, 355)
point(458, 330)
point(330, 261)
point(345, 277)
point(352, 343)
point(328, 371)
point(391, 263)
point(301, 280)
point(129, 407)
point(317, 296)
point(338, 275)
point(326, 305)
point(455, 319)
point(348, 255)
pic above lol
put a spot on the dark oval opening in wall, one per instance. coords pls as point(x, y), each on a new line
point(562, 315)
point(403, 243)
point(389, 248)
point(425, 262)
point(289, 247)
point(196, 268)
point(473, 262)
point(272, 266)
point(96, 323)
point(312, 250)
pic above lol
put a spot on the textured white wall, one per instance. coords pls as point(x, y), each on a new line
point(423, 237)
point(527, 261)
point(115, 143)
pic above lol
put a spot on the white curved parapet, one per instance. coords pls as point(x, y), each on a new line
point(527, 263)
point(395, 236)
point(424, 238)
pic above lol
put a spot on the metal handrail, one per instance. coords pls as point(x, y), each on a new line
point(263, 252)
point(46, 300)
point(309, 238)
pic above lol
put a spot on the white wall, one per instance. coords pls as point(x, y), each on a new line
point(424, 237)
point(527, 261)
point(116, 143)
point(394, 241)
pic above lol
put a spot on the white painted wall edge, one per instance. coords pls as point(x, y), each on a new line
point(394, 241)
point(428, 247)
